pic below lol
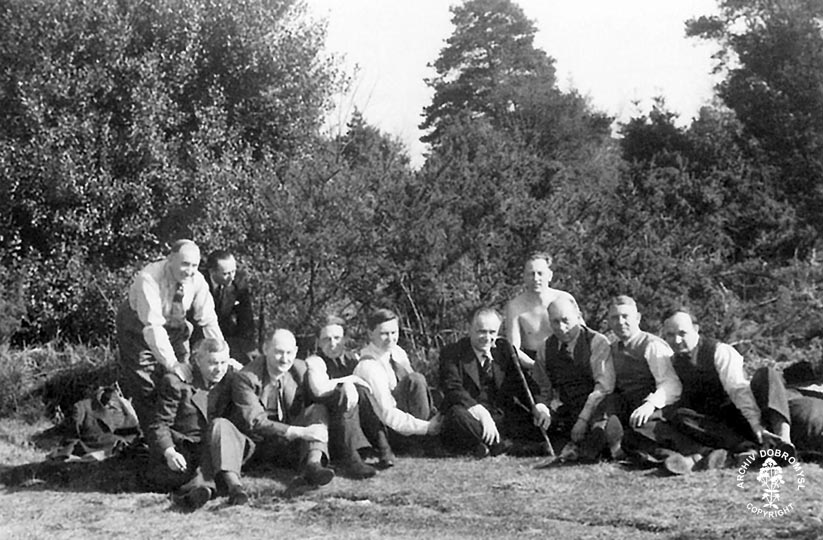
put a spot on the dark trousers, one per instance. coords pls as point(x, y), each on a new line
point(224, 449)
point(284, 453)
point(462, 431)
point(139, 371)
point(658, 437)
point(346, 435)
point(725, 426)
point(413, 396)
point(807, 421)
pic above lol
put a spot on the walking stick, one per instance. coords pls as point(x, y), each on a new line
point(519, 368)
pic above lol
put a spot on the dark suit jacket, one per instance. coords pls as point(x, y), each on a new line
point(249, 413)
point(235, 312)
point(460, 375)
point(184, 410)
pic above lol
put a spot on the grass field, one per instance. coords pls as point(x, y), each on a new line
point(502, 497)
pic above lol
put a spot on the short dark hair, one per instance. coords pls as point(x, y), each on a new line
point(537, 255)
point(330, 320)
point(216, 256)
point(482, 310)
point(379, 316)
point(622, 300)
point(669, 313)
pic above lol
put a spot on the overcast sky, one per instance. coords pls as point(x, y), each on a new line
point(616, 52)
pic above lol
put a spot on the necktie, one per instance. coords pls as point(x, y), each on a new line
point(487, 365)
point(177, 311)
point(218, 297)
point(564, 352)
point(279, 405)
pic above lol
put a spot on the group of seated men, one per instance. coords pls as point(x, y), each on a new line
point(683, 402)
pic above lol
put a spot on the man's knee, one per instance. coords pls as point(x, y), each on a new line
point(315, 413)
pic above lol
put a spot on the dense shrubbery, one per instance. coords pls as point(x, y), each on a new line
point(124, 126)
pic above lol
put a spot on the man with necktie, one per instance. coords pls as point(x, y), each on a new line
point(574, 367)
point(233, 303)
point(400, 396)
point(152, 327)
point(272, 408)
point(191, 444)
point(483, 393)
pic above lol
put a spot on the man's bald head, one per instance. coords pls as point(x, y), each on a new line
point(183, 260)
point(564, 318)
point(280, 351)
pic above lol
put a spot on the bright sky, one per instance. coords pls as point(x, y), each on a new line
point(616, 52)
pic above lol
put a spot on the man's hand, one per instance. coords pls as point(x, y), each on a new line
point(354, 379)
point(579, 430)
point(435, 425)
point(183, 371)
point(490, 434)
point(350, 397)
point(642, 414)
point(542, 416)
point(310, 433)
point(175, 460)
point(525, 360)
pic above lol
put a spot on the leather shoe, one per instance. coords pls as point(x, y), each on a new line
point(503, 447)
point(317, 474)
point(197, 497)
point(386, 459)
point(678, 464)
point(358, 470)
point(238, 496)
point(716, 459)
point(480, 451)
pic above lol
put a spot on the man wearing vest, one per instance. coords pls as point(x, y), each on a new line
point(719, 406)
point(575, 366)
point(482, 390)
point(400, 396)
point(646, 383)
point(152, 330)
point(190, 444)
point(271, 408)
point(332, 383)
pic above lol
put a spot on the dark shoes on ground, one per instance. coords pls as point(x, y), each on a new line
point(238, 496)
point(679, 464)
point(317, 475)
point(193, 499)
point(357, 470)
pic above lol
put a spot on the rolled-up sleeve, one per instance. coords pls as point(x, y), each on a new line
point(667, 385)
point(729, 365)
point(147, 301)
point(602, 372)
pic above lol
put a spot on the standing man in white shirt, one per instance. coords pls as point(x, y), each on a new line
point(152, 330)
point(400, 396)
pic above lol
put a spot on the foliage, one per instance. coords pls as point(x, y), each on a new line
point(121, 121)
point(772, 55)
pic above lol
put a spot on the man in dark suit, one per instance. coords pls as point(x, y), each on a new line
point(191, 445)
point(233, 303)
point(271, 407)
point(483, 394)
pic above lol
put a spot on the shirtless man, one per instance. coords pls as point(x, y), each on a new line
point(527, 318)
